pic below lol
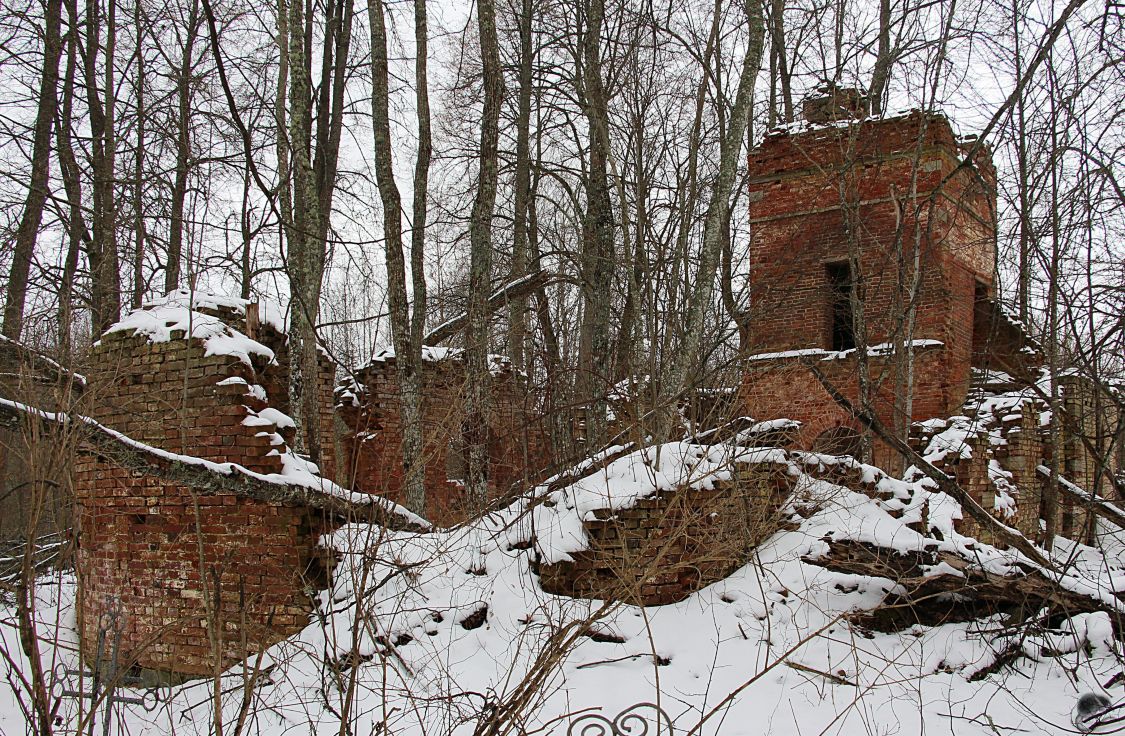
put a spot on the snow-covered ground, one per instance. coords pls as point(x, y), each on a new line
point(421, 633)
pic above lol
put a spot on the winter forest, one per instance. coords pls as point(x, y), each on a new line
point(599, 367)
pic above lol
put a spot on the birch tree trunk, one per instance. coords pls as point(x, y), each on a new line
point(480, 265)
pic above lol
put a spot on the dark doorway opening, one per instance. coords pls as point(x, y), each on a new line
point(841, 317)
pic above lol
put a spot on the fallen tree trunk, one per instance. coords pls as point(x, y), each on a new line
point(964, 592)
point(206, 477)
point(514, 290)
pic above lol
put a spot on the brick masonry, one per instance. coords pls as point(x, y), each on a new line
point(818, 196)
point(200, 579)
point(1001, 454)
point(369, 405)
point(674, 543)
point(1007, 443)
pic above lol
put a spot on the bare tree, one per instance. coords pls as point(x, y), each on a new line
point(687, 352)
point(28, 231)
point(407, 321)
point(311, 185)
point(102, 109)
point(597, 255)
point(480, 268)
point(184, 76)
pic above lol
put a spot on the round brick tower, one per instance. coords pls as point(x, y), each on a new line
point(194, 577)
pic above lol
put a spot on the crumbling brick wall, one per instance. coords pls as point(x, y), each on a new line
point(1094, 417)
point(276, 382)
point(192, 575)
point(1006, 452)
point(35, 476)
point(821, 196)
point(674, 543)
point(369, 404)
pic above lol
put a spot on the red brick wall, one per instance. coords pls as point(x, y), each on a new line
point(815, 195)
point(784, 387)
point(373, 442)
point(276, 382)
point(157, 548)
point(157, 551)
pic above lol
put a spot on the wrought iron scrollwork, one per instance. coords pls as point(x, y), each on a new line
point(642, 719)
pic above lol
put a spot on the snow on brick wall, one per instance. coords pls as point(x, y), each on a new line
point(664, 547)
point(183, 567)
point(996, 454)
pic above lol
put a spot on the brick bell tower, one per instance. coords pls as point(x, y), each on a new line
point(834, 203)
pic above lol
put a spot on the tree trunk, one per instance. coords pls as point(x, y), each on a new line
point(406, 333)
point(281, 122)
point(784, 75)
point(183, 152)
point(413, 439)
point(104, 261)
point(517, 309)
point(1023, 185)
point(881, 73)
point(28, 230)
point(857, 295)
point(686, 355)
point(78, 237)
point(1049, 501)
point(304, 287)
point(480, 266)
point(139, 233)
point(330, 120)
point(597, 236)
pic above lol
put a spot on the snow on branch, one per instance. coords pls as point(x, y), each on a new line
point(513, 290)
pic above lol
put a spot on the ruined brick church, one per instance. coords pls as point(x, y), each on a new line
point(836, 208)
point(206, 578)
point(834, 205)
